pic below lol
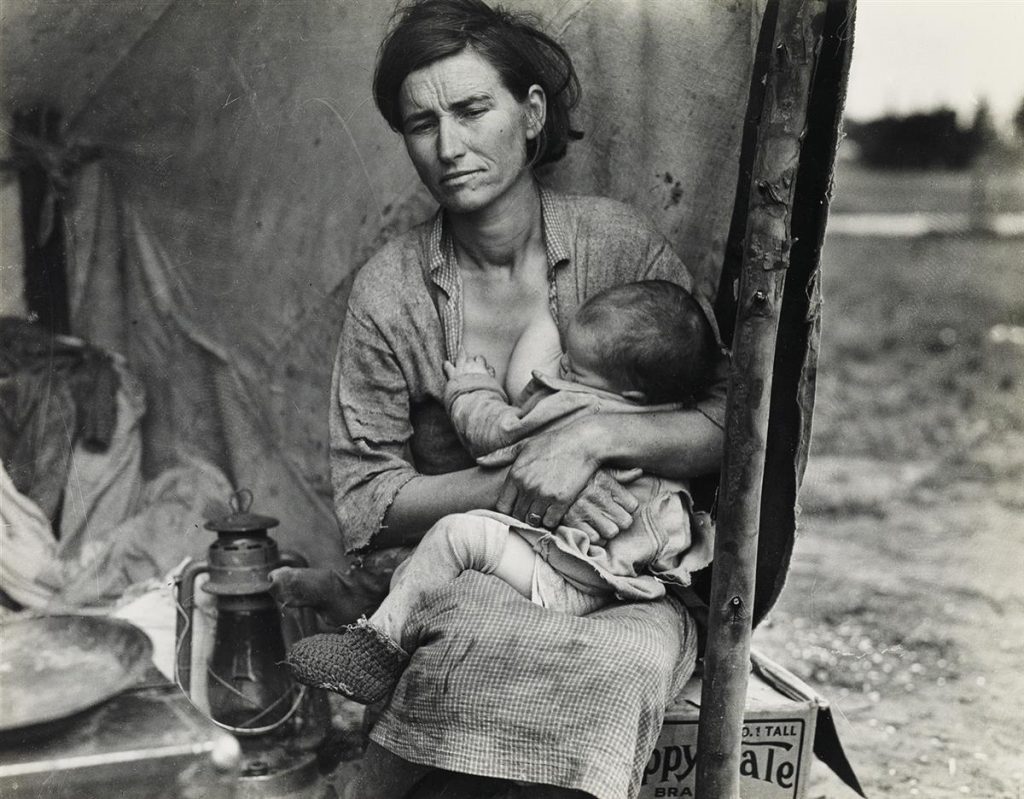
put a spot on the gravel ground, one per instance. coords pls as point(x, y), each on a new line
point(905, 601)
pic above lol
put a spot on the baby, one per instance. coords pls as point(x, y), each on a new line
point(628, 349)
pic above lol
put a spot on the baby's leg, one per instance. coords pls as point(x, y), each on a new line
point(457, 543)
point(552, 590)
point(366, 661)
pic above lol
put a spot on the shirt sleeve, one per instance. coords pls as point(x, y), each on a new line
point(369, 429)
point(480, 412)
point(487, 423)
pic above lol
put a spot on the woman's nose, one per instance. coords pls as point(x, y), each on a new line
point(449, 141)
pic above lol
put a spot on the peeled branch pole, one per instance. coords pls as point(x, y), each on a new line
point(796, 46)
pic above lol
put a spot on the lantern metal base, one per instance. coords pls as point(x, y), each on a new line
point(272, 773)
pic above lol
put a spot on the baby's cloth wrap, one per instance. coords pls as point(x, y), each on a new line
point(661, 546)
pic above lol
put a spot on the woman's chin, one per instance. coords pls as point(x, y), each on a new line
point(463, 200)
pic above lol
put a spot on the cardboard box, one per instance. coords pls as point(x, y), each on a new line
point(778, 738)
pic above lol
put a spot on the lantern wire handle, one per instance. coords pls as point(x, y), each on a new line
point(300, 694)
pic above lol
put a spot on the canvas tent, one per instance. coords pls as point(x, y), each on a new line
point(222, 173)
point(242, 175)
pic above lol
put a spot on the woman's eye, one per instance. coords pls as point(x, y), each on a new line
point(475, 112)
point(419, 127)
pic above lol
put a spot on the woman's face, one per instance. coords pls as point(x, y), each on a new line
point(465, 132)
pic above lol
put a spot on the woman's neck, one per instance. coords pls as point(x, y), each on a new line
point(499, 236)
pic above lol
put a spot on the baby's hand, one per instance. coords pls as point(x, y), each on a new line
point(467, 365)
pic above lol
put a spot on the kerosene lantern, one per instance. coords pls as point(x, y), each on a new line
point(245, 687)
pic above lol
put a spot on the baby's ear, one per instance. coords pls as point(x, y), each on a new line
point(635, 396)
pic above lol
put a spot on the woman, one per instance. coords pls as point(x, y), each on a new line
point(499, 687)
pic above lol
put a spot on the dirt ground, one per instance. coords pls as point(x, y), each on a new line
point(905, 601)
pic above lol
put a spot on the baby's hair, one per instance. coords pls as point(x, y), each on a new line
point(651, 336)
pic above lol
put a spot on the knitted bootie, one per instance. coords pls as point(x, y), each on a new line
point(361, 662)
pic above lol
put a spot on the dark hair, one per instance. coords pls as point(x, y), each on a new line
point(652, 336)
point(425, 31)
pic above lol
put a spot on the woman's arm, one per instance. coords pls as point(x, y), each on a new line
point(553, 468)
point(675, 444)
point(426, 498)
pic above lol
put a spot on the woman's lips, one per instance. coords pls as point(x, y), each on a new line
point(457, 178)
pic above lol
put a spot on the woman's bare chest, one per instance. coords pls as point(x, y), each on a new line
point(495, 314)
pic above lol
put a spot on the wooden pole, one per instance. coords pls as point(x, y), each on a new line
point(797, 41)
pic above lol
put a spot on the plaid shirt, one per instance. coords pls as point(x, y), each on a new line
point(387, 416)
point(584, 707)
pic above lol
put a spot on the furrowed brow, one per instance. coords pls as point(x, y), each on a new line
point(473, 99)
point(458, 107)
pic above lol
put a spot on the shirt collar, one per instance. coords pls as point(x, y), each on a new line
point(556, 236)
point(556, 233)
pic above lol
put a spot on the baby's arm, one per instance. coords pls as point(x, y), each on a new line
point(478, 406)
point(485, 420)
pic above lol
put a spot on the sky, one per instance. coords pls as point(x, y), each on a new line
point(913, 55)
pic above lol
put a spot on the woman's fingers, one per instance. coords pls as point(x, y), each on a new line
point(521, 509)
point(511, 499)
point(599, 519)
point(625, 476)
point(614, 495)
point(552, 517)
point(604, 506)
point(534, 507)
point(536, 514)
point(592, 534)
point(542, 512)
point(507, 498)
point(549, 473)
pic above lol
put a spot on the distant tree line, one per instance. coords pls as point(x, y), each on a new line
point(923, 140)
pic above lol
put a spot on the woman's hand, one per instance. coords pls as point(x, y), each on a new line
point(555, 471)
point(605, 507)
point(550, 471)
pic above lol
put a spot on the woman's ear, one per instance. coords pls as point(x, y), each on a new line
point(536, 111)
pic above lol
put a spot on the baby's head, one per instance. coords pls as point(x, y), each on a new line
point(649, 341)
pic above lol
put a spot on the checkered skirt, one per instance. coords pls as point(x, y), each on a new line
point(500, 687)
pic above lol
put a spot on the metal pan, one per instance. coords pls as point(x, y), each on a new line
point(52, 667)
